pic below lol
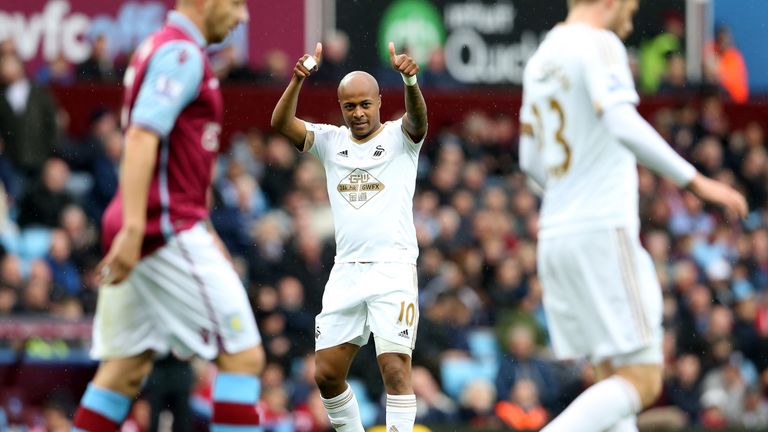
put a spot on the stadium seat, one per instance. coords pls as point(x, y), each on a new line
point(368, 409)
point(455, 373)
point(10, 239)
point(483, 344)
point(34, 243)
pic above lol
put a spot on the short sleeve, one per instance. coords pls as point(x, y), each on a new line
point(606, 69)
point(323, 137)
point(411, 147)
point(171, 82)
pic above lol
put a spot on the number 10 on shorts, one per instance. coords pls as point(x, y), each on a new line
point(407, 312)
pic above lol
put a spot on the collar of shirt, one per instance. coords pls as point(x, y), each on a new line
point(17, 95)
point(181, 21)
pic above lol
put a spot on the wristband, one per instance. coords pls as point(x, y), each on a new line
point(410, 81)
point(309, 63)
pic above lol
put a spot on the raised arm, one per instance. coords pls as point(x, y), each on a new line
point(284, 118)
point(415, 118)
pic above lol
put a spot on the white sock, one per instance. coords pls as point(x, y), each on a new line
point(599, 408)
point(401, 412)
point(344, 412)
point(627, 424)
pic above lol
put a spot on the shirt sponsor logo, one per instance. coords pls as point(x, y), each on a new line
point(359, 187)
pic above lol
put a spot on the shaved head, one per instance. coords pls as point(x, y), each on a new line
point(358, 81)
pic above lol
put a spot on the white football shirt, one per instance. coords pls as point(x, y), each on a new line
point(590, 177)
point(371, 188)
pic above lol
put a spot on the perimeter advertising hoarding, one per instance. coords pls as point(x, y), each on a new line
point(46, 29)
point(485, 41)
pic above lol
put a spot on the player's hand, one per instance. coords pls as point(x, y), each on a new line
point(301, 70)
point(720, 193)
point(402, 63)
point(121, 258)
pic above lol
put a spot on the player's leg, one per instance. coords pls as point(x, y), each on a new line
point(616, 320)
point(237, 389)
point(394, 317)
point(125, 334)
point(395, 365)
point(340, 329)
point(604, 370)
point(617, 399)
point(331, 369)
point(109, 396)
point(212, 318)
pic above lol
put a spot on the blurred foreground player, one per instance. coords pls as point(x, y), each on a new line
point(371, 177)
point(167, 284)
point(582, 138)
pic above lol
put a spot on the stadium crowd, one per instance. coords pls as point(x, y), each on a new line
point(481, 357)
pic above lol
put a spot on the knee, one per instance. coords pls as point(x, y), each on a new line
point(648, 382)
point(248, 362)
point(135, 378)
point(396, 374)
point(327, 376)
point(123, 376)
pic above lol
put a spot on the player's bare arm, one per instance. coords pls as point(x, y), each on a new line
point(284, 118)
point(135, 175)
point(415, 118)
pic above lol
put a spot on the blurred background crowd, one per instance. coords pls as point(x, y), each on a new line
point(481, 359)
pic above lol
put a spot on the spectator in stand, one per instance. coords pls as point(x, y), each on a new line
point(230, 65)
point(104, 169)
point(655, 53)
point(755, 410)
point(675, 79)
point(725, 61)
point(55, 418)
point(59, 259)
point(56, 72)
point(298, 317)
point(683, 390)
point(477, 405)
point(276, 69)
point(27, 118)
point(522, 363)
point(334, 65)
point(435, 75)
point(523, 412)
point(99, 66)
point(9, 299)
point(44, 202)
point(434, 406)
point(8, 177)
point(82, 235)
point(36, 298)
point(310, 416)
